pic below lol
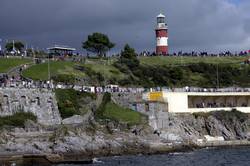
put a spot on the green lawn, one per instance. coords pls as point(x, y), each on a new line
point(7, 64)
point(161, 60)
point(111, 111)
point(107, 71)
point(40, 72)
point(120, 114)
point(62, 68)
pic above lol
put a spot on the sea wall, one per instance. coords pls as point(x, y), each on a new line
point(41, 103)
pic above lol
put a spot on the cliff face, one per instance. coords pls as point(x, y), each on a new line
point(88, 140)
point(232, 125)
point(91, 139)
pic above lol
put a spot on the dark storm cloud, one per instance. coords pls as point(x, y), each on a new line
point(193, 24)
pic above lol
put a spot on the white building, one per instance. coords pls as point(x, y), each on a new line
point(191, 102)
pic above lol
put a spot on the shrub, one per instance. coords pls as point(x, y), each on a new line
point(70, 101)
point(65, 78)
point(17, 120)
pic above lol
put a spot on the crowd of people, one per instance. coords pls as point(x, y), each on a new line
point(229, 89)
point(219, 105)
point(199, 54)
point(19, 82)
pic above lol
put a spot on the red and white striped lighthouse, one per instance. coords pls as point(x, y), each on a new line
point(161, 36)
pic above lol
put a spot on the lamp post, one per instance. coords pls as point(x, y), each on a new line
point(217, 73)
point(0, 46)
point(48, 69)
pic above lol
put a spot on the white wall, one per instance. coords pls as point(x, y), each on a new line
point(177, 102)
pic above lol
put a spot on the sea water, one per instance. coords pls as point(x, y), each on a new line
point(238, 156)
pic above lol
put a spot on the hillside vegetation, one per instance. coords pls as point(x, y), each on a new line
point(17, 120)
point(148, 71)
point(173, 61)
point(201, 75)
point(108, 110)
point(72, 102)
point(57, 68)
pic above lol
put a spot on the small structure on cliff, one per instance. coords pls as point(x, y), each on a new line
point(155, 102)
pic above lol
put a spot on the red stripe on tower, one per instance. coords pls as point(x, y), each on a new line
point(161, 36)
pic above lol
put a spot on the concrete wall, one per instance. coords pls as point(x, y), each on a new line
point(41, 103)
point(125, 99)
point(145, 107)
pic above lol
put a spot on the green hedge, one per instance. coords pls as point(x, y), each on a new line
point(17, 120)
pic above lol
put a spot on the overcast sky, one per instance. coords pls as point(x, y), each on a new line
point(200, 25)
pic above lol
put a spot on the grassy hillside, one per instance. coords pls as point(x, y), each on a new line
point(152, 71)
point(7, 64)
point(107, 71)
point(40, 71)
point(77, 70)
point(111, 111)
point(94, 71)
point(171, 61)
point(117, 113)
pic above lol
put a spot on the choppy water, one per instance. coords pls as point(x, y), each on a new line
point(204, 157)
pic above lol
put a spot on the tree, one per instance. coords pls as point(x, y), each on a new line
point(18, 46)
point(129, 57)
point(128, 52)
point(98, 43)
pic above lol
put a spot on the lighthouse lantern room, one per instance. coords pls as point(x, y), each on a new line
point(161, 36)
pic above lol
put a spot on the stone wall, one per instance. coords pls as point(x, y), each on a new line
point(41, 103)
point(126, 99)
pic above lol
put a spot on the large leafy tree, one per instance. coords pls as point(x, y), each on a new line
point(98, 43)
point(17, 44)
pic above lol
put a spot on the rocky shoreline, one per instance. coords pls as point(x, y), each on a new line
point(90, 139)
point(88, 158)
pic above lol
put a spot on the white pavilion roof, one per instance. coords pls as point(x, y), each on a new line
point(57, 47)
point(160, 15)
